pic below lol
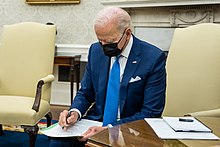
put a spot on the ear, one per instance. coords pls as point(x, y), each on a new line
point(128, 32)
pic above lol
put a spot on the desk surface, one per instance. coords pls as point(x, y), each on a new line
point(140, 134)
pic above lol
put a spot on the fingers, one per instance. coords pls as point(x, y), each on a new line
point(67, 118)
point(72, 118)
point(62, 118)
point(90, 132)
point(86, 135)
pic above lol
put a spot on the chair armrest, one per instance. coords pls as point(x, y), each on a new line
point(209, 113)
point(40, 83)
point(47, 79)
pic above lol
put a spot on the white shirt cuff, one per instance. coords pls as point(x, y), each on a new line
point(76, 110)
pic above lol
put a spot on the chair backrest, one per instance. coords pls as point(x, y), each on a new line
point(26, 55)
point(193, 70)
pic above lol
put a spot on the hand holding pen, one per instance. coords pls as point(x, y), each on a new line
point(67, 118)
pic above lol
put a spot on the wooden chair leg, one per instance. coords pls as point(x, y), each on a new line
point(49, 118)
point(32, 132)
point(1, 130)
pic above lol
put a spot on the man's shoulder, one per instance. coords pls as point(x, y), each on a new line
point(95, 48)
point(96, 52)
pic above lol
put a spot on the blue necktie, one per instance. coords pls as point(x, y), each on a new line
point(112, 96)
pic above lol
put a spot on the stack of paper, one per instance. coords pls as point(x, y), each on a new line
point(186, 124)
point(75, 130)
point(165, 131)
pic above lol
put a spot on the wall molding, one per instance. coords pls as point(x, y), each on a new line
point(191, 16)
point(72, 49)
point(156, 3)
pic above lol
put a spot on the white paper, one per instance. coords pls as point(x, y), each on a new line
point(164, 131)
point(181, 126)
point(73, 131)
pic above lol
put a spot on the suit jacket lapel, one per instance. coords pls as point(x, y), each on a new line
point(131, 66)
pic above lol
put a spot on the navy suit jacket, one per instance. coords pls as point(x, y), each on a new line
point(139, 99)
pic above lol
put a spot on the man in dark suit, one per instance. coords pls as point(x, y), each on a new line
point(142, 76)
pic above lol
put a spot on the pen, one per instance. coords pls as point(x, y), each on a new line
point(185, 120)
point(187, 131)
point(68, 115)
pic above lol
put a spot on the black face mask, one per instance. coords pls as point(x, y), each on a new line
point(112, 49)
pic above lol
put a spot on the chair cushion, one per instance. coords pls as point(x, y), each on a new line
point(20, 110)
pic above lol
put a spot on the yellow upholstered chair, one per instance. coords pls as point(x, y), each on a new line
point(193, 72)
point(26, 66)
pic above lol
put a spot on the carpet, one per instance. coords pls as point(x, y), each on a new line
point(14, 136)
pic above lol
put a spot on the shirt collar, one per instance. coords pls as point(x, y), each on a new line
point(127, 49)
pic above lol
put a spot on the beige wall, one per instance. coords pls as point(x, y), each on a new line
point(74, 21)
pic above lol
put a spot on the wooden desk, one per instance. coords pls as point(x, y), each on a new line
point(140, 134)
point(74, 63)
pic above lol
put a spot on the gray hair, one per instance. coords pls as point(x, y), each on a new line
point(114, 15)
